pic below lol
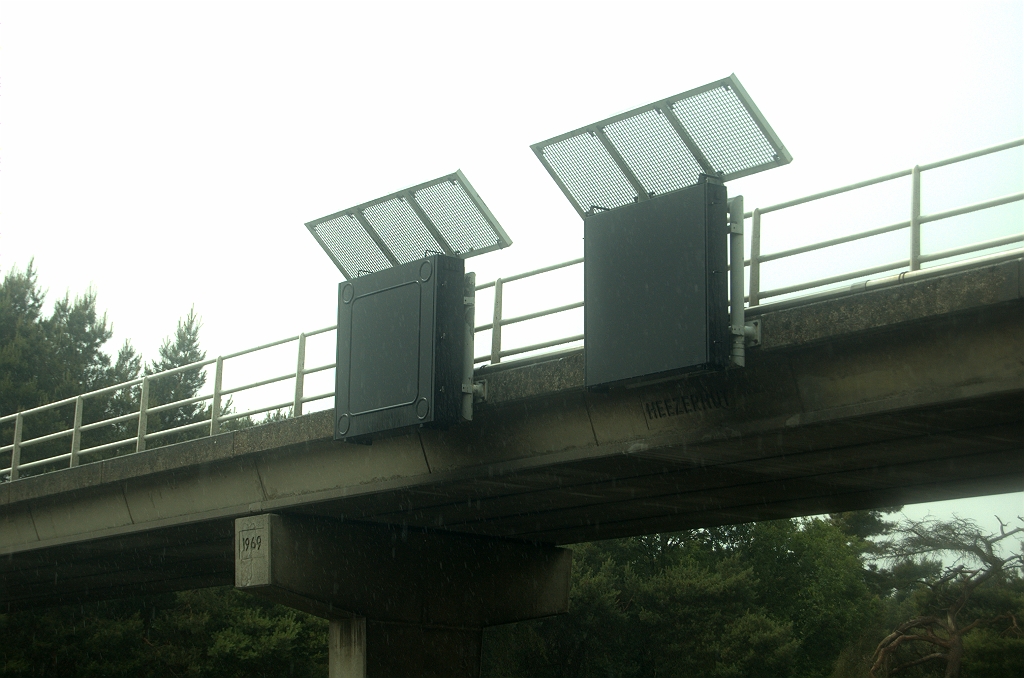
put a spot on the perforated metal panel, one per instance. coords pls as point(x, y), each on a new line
point(442, 216)
point(661, 147)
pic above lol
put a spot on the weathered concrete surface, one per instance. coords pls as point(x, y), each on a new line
point(346, 648)
point(396, 574)
point(897, 395)
point(920, 300)
point(425, 596)
point(421, 651)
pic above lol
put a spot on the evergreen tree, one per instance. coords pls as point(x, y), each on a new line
point(46, 358)
point(218, 632)
point(77, 334)
point(780, 598)
point(26, 366)
point(49, 358)
point(213, 633)
point(177, 351)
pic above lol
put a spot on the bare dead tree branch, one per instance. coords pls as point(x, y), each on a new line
point(975, 561)
point(922, 660)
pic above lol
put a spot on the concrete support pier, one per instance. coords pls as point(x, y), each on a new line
point(422, 651)
point(401, 602)
point(346, 648)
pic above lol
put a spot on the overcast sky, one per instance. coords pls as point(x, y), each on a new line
point(168, 154)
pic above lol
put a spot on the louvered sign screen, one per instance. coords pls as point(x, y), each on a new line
point(443, 216)
point(714, 130)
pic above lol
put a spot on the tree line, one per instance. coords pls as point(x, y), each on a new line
point(46, 358)
point(847, 595)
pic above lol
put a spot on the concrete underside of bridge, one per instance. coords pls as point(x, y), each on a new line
point(423, 597)
point(888, 396)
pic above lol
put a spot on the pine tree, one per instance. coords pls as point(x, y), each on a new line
point(177, 351)
point(77, 334)
point(126, 368)
point(778, 598)
point(27, 366)
point(48, 358)
point(45, 358)
point(217, 632)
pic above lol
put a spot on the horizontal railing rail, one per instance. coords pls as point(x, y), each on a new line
point(915, 259)
point(216, 400)
point(145, 409)
point(498, 322)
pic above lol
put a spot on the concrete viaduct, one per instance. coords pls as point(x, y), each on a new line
point(885, 395)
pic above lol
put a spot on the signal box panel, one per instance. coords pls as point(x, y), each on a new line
point(400, 348)
point(655, 286)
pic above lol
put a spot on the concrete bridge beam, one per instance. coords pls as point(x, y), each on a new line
point(402, 601)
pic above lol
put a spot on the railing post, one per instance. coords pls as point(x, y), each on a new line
point(915, 218)
point(218, 379)
point(143, 417)
point(755, 257)
point(496, 324)
point(76, 433)
point(300, 376)
point(16, 452)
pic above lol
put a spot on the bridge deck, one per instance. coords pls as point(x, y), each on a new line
point(889, 396)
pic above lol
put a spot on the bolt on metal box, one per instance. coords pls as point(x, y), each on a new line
point(655, 286)
point(400, 348)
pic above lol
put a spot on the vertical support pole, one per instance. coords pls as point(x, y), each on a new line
point(736, 313)
point(218, 379)
point(915, 218)
point(755, 258)
point(346, 648)
point(143, 416)
point(496, 324)
point(468, 352)
point(76, 431)
point(300, 377)
point(16, 452)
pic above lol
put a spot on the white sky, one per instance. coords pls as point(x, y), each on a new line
point(168, 154)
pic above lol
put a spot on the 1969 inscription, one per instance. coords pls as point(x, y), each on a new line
point(252, 550)
point(249, 541)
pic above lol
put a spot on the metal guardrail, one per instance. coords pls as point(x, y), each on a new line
point(499, 322)
point(915, 259)
point(140, 440)
point(756, 294)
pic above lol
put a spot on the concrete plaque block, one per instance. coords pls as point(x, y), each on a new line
point(252, 550)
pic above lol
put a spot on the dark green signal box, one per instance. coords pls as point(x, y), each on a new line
point(656, 286)
point(400, 348)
